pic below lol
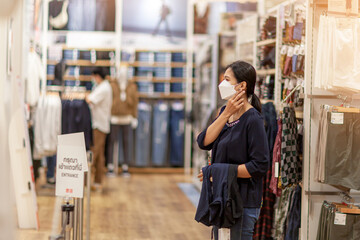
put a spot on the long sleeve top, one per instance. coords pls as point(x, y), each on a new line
point(243, 142)
point(33, 79)
point(220, 203)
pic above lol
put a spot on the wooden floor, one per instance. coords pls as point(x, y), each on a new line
point(144, 206)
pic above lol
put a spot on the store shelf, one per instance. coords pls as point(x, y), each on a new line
point(161, 50)
point(228, 33)
point(159, 64)
point(159, 80)
point(162, 95)
point(89, 49)
point(84, 63)
point(267, 42)
point(100, 63)
point(264, 72)
point(86, 78)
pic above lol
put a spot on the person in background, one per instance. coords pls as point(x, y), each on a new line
point(237, 136)
point(100, 101)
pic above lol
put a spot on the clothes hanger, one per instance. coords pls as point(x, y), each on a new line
point(345, 106)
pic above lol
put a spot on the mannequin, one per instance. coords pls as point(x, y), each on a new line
point(123, 120)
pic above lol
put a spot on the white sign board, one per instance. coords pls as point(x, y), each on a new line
point(71, 165)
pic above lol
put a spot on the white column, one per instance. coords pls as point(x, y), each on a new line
point(189, 86)
point(6, 213)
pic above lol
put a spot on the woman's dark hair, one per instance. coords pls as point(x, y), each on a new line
point(244, 71)
point(99, 71)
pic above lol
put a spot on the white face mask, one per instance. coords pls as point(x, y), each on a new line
point(226, 90)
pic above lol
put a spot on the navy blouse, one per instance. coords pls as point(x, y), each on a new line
point(243, 142)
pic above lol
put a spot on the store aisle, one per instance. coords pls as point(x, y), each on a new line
point(144, 206)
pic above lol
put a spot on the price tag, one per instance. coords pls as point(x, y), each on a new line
point(337, 118)
point(340, 219)
point(276, 169)
point(224, 234)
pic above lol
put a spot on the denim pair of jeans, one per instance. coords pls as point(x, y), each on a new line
point(143, 135)
point(82, 15)
point(177, 127)
point(121, 136)
point(243, 230)
point(160, 133)
point(51, 165)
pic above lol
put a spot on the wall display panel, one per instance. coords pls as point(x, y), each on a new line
point(314, 192)
point(156, 24)
point(82, 15)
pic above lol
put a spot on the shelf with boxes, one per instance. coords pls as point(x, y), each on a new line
point(158, 73)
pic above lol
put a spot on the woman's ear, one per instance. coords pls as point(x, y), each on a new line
point(243, 85)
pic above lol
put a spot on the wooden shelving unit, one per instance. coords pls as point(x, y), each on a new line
point(158, 64)
point(264, 72)
point(157, 95)
point(85, 78)
point(85, 63)
point(159, 80)
point(267, 42)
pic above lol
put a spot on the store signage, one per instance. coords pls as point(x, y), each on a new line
point(71, 165)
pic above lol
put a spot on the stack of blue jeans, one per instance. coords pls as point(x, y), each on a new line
point(162, 57)
point(145, 87)
point(178, 57)
point(144, 71)
point(178, 72)
point(144, 56)
point(70, 55)
point(177, 87)
point(161, 72)
point(50, 69)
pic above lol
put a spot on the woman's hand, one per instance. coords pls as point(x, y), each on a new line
point(200, 176)
point(234, 104)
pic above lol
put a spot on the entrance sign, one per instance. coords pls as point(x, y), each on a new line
point(71, 165)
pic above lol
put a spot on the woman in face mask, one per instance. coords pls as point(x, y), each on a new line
point(237, 136)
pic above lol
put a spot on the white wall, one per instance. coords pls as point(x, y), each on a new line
point(311, 204)
point(6, 218)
